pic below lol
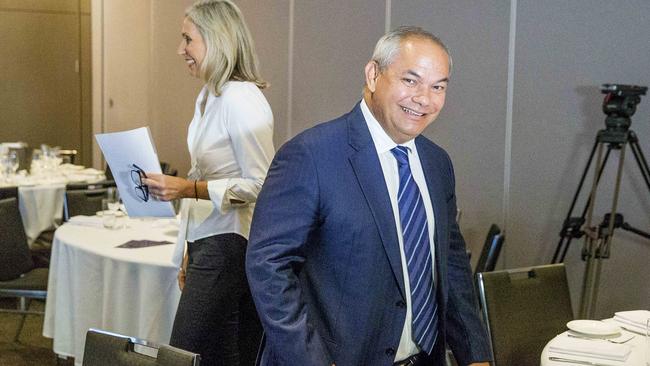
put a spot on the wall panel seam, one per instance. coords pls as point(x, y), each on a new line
point(507, 162)
point(290, 71)
point(388, 16)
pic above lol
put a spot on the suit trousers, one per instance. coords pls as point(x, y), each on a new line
point(216, 316)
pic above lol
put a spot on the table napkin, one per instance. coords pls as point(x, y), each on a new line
point(633, 320)
point(590, 348)
point(132, 244)
point(82, 220)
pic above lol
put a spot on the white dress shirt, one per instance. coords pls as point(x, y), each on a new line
point(384, 144)
point(231, 147)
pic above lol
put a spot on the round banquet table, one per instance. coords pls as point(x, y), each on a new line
point(41, 197)
point(636, 357)
point(40, 206)
point(93, 284)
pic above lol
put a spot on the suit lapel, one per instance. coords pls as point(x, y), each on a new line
point(366, 166)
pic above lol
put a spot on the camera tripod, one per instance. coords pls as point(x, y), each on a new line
point(619, 104)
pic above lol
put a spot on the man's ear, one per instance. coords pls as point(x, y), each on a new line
point(372, 73)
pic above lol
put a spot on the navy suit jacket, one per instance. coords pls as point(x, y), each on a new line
point(323, 259)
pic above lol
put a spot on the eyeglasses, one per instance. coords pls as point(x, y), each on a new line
point(141, 190)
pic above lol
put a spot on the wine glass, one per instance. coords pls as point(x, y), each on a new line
point(12, 160)
point(37, 160)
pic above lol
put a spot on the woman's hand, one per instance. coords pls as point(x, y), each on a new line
point(166, 188)
point(182, 272)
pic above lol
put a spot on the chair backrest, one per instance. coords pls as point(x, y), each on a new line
point(8, 192)
point(79, 186)
point(15, 258)
point(24, 154)
point(83, 202)
point(104, 348)
point(524, 309)
point(108, 173)
point(491, 249)
point(172, 356)
point(68, 156)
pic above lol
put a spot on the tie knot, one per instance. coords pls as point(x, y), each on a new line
point(401, 153)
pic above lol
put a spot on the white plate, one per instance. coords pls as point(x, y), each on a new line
point(593, 327)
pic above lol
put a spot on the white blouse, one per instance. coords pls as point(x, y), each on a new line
point(231, 147)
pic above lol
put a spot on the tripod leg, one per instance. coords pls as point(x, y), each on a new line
point(562, 245)
point(617, 190)
point(600, 251)
point(566, 241)
point(641, 162)
point(588, 280)
point(582, 179)
point(597, 266)
point(589, 250)
point(600, 174)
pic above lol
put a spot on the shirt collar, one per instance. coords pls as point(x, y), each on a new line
point(380, 138)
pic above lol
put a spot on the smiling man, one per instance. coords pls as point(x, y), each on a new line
point(355, 257)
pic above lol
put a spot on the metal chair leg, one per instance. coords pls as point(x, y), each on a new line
point(20, 328)
point(23, 305)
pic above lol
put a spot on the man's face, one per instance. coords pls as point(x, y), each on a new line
point(408, 94)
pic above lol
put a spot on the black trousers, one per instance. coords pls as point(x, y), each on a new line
point(216, 316)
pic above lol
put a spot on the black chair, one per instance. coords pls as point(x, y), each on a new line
point(491, 249)
point(108, 173)
point(83, 202)
point(18, 277)
point(104, 348)
point(68, 156)
point(24, 154)
point(8, 192)
point(524, 309)
point(107, 183)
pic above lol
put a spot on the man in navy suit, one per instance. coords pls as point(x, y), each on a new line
point(355, 257)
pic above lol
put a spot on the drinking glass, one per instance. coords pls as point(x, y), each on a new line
point(109, 213)
point(37, 156)
point(8, 161)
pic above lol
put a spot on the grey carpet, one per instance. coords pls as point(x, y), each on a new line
point(32, 349)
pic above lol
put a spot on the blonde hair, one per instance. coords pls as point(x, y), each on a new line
point(230, 52)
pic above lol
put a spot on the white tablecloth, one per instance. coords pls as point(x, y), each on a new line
point(636, 358)
point(92, 284)
point(41, 196)
point(40, 206)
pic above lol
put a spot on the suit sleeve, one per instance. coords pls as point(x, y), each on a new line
point(465, 332)
point(285, 215)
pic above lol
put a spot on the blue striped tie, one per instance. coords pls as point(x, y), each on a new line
point(417, 250)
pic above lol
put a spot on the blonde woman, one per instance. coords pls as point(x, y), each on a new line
point(230, 144)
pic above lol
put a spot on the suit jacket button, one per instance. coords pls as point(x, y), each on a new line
point(400, 304)
point(390, 351)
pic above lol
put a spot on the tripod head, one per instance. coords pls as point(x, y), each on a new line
point(620, 104)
